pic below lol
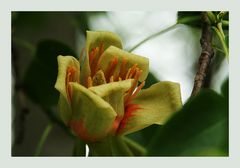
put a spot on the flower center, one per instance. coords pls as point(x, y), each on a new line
point(109, 75)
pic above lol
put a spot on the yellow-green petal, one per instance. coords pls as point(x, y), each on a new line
point(113, 93)
point(154, 105)
point(63, 63)
point(132, 59)
point(65, 109)
point(92, 117)
point(95, 39)
point(64, 106)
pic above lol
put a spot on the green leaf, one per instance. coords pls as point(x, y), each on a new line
point(227, 40)
point(201, 125)
point(190, 18)
point(144, 136)
point(41, 74)
point(225, 86)
point(194, 18)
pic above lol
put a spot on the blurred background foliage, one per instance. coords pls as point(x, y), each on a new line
point(200, 128)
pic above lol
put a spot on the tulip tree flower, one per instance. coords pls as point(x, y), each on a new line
point(104, 97)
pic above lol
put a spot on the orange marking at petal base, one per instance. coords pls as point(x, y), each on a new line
point(116, 123)
point(130, 109)
point(81, 131)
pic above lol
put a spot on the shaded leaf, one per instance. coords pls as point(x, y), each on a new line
point(189, 18)
point(41, 74)
point(225, 88)
point(119, 147)
point(144, 136)
point(135, 148)
point(194, 18)
point(201, 125)
point(151, 79)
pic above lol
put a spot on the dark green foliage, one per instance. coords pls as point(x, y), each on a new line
point(189, 18)
point(194, 18)
point(200, 128)
point(151, 79)
point(41, 74)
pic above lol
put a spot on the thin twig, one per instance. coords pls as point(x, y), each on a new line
point(44, 136)
point(152, 36)
point(205, 57)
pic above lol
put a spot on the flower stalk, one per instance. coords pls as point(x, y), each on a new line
point(43, 138)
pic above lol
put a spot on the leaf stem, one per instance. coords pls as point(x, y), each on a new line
point(136, 148)
point(43, 139)
point(225, 22)
point(211, 17)
point(222, 40)
point(152, 36)
point(218, 49)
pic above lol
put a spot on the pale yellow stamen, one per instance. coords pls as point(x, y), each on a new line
point(134, 85)
point(89, 82)
point(99, 78)
point(111, 79)
point(128, 72)
point(137, 90)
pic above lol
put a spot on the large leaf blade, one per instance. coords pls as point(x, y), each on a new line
point(41, 74)
point(202, 123)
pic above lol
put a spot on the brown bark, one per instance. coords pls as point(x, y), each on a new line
point(205, 56)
